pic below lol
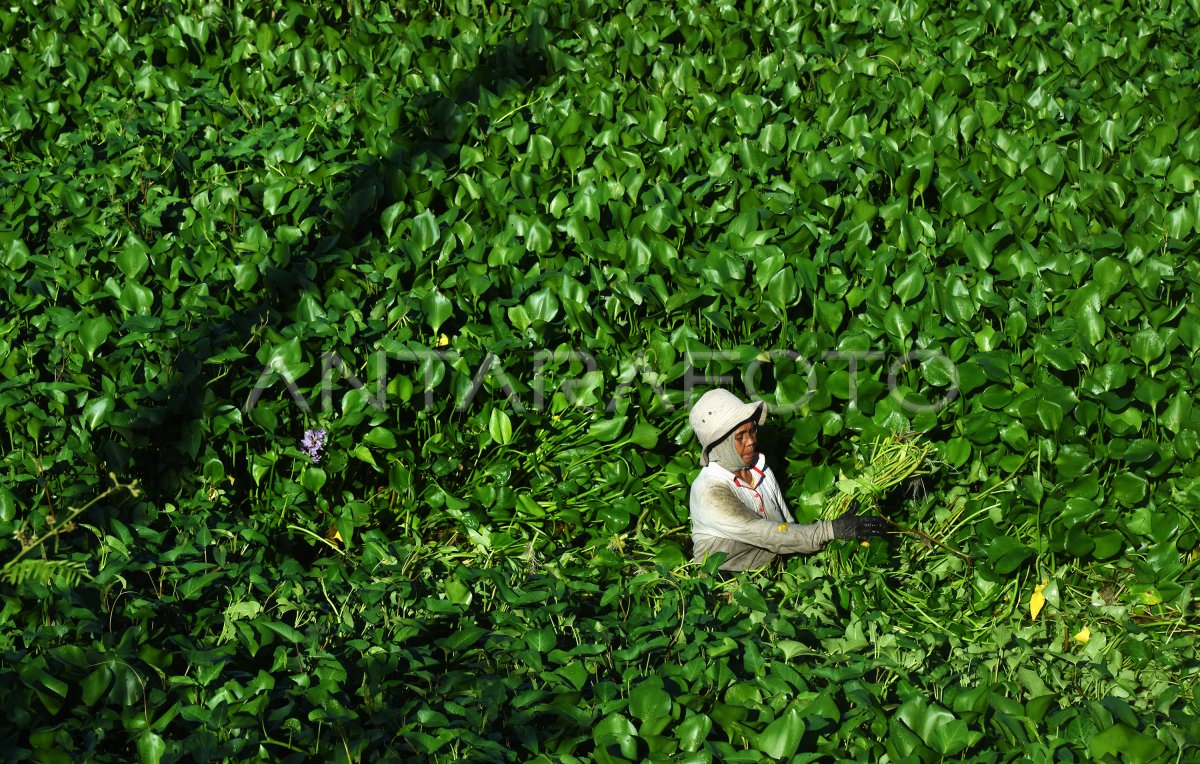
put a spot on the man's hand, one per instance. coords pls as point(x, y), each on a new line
point(852, 525)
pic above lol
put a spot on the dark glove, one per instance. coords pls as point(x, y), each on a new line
point(852, 525)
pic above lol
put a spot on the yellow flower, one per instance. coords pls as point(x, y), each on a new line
point(1083, 636)
point(1036, 600)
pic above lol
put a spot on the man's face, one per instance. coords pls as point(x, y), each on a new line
point(745, 438)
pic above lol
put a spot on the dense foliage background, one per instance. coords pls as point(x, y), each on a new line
point(489, 249)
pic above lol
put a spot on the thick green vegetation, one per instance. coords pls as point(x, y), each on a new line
point(489, 250)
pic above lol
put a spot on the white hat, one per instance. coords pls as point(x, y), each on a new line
point(718, 413)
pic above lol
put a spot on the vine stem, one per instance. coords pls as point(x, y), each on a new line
point(962, 555)
point(60, 527)
point(316, 536)
point(511, 112)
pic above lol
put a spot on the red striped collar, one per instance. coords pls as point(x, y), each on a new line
point(760, 477)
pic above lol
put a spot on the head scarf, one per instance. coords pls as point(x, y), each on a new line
point(725, 452)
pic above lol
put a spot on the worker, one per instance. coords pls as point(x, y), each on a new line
point(736, 506)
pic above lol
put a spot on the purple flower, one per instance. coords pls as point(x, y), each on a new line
point(313, 443)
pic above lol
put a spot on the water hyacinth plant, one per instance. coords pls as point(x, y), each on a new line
point(478, 255)
point(892, 460)
point(313, 444)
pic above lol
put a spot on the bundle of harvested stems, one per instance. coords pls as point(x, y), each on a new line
point(894, 459)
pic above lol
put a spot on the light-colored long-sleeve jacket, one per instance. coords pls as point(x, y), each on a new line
point(751, 524)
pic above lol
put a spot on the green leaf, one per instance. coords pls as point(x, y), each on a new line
point(1049, 415)
point(426, 231)
point(1147, 346)
point(214, 470)
point(1107, 544)
point(1005, 554)
point(8, 505)
point(313, 478)
point(576, 674)
point(649, 700)
point(909, 286)
point(615, 729)
point(380, 437)
point(924, 718)
point(16, 254)
point(437, 308)
point(1178, 413)
point(952, 737)
point(896, 322)
point(538, 238)
point(462, 639)
point(150, 748)
point(718, 168)
point(1187, 444)
point(363, 454)
point(615, 518)
point(519, 317)
point(781, 739)
point(1180, 222)
point(245, 276)
point(500, 427)
point(957, 451)
point(645, 435)
point(1125, 745)
point(693, 731)
point(93, 334)
point(1129, 489)
point(244, 609)
point(274, 195)
point(458, 592)
point(1091, 326)
point(748, 596)
point(96, 684)
point(542, 640)
point(747, 111)
point(133, 260)
point(1183, 178)
point(389, 218)
point(1078, 511)
point(136, 298)
point(96, 411)
point(607, 430)
point(282, 629)
point(1111, 275)
point(782, 289)
point(542, 306)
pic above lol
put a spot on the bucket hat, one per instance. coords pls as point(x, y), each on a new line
point(718, 413)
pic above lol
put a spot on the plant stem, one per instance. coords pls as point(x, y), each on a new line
point(963, 555)
point(63, 525)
